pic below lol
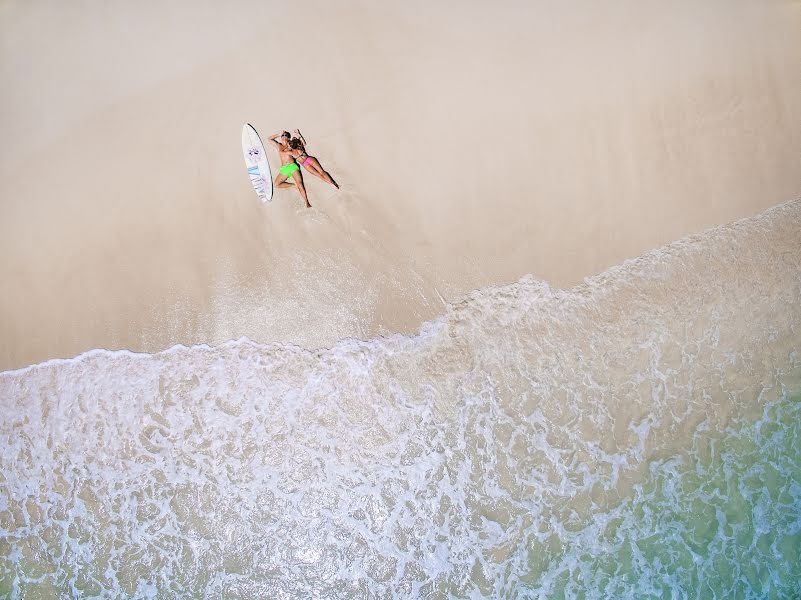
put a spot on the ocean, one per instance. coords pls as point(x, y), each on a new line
point(636, 436)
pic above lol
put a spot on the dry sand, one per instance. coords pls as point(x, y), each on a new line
point(474, 144)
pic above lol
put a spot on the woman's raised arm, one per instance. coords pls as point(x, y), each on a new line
point(301, 138)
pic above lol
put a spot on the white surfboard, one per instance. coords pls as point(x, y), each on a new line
point(256, 161)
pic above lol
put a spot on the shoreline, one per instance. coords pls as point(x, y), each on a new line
point(589, 285)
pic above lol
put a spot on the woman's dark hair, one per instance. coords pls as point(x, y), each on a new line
point(295, 144)
point(286, 134)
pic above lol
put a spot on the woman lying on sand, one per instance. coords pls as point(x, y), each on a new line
point(298, 151)
point(289, 168)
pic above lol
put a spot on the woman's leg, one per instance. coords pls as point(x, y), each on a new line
point(314, 170)
point(314, 166)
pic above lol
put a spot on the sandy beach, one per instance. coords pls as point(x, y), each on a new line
point(473, 147)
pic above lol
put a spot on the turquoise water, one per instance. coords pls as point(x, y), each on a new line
point(720, 520)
